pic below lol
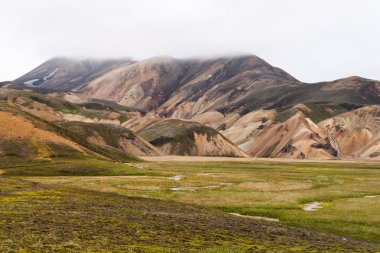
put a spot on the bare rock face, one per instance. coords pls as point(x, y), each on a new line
point(248, 127)
point(212, 85)
point(298, 137)
point(355, 133)
point(145, 84)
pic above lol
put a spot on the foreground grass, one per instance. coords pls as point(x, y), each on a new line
point(55, 218)
point(269, 189)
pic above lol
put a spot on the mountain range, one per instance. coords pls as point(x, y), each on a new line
point(228, 106)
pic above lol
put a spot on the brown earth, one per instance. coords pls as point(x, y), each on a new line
point(17, 133)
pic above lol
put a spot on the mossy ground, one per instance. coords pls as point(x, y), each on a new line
point(91, 205)
point(269, 189)
point(36, 217)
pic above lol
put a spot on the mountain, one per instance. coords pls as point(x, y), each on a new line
point(161, 82)
point(213, 85)
point(189, 87)
point(67, 74)
point(259, 109)
point(172, 86)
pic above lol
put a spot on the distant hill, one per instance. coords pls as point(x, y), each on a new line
point(178, 137)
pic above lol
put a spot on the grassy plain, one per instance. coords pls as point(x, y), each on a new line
point(350, 192)
point(100, 206)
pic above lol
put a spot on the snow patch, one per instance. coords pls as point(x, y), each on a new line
point(31, 82)
point(51, 74)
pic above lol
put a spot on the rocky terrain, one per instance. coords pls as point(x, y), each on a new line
point(355, 133)
point(227, 106)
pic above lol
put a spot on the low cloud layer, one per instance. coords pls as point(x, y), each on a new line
point(313, 40)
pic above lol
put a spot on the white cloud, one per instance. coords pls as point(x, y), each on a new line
point(313, 40)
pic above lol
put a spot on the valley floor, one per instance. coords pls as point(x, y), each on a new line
point(192, 206)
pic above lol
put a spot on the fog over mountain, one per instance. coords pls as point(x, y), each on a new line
point(314, 40)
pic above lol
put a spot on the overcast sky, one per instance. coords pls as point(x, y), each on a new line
point(313, 40)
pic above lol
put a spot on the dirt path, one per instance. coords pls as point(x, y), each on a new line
point(238, 159)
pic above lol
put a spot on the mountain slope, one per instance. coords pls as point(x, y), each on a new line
point(113, 136)
point(178, 137)
point(213, 84)
point(55, 109)
point(355, 133)
point(145, 84)
point(67, 74)
point(27, 137)
point(297, 137)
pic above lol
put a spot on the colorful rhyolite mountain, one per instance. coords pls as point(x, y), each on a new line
point(230, 106)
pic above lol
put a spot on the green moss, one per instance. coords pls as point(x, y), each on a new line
point(57, 217)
